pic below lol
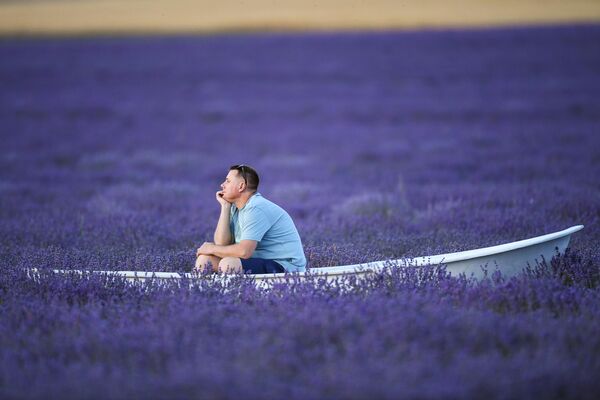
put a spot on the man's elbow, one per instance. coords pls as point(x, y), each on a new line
point(246, 253)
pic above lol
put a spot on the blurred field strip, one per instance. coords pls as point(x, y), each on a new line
point(76, 17)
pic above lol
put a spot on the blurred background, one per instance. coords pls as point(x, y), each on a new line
point(385, 128)
point(177, 16)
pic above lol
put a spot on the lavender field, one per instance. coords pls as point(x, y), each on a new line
point(379, 145)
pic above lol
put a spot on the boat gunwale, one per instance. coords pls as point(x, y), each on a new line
point(443, 258)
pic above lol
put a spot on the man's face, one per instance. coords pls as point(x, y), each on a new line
point(233, 186)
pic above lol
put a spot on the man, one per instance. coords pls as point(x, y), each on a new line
point(253, 235)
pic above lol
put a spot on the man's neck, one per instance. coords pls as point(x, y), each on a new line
point(241, 202)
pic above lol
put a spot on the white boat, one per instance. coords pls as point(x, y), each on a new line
point(509, 258)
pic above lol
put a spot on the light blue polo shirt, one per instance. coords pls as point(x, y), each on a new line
point(272, 227)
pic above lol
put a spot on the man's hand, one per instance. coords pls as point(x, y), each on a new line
point(221, 200)
point(207, 249)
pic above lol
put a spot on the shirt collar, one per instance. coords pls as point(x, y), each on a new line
point(250, 200)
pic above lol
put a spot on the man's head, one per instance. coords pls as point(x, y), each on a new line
point(240, 179)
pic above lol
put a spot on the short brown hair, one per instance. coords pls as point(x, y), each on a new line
point(249, 174)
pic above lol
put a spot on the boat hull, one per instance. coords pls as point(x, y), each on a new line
point(510, 259)
point(512, 262)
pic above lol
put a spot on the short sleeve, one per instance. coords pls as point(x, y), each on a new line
point(255, 225)
point(232, 218)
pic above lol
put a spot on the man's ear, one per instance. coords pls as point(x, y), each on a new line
point(242, 187)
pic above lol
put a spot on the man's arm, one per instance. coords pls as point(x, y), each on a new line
point(243, 249)
point(222, 234)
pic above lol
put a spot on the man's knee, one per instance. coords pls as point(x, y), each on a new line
point(230, 264)
point(206, 263)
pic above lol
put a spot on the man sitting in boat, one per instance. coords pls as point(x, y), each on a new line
point(253, 235)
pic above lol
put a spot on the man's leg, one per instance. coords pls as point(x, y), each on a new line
point(202, 263)
point(230, 265)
